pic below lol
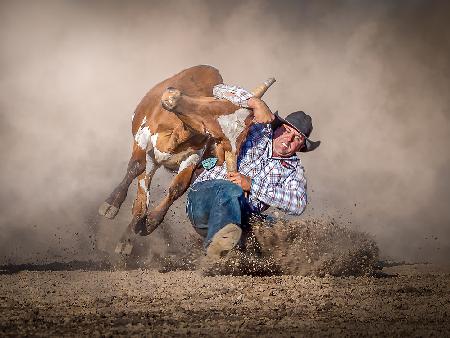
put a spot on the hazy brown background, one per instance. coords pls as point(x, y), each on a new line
point(375, 77)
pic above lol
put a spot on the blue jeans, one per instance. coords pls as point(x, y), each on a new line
point(213, 204)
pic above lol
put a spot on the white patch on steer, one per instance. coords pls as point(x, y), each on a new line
point(159, 155)
point(233, 125)
point(191, 160)
point(143, 185)
point(150, 168)
point(142, 135)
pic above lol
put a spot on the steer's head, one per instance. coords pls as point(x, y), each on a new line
point(170, 98)
point(221, 119)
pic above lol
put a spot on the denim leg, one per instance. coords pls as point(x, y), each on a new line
point(226, 208)
point(213, 204)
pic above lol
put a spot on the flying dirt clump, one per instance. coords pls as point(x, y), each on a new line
point(308, 247)
point(318, 247)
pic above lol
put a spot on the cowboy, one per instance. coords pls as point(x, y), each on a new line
point(270, 173)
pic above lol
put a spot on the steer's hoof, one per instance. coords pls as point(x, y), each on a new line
point(124, 248)
point(108, 210)
point(170, 97)
point(152, 223)
point(138, 225)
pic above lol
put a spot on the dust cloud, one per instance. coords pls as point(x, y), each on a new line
point(374, 76)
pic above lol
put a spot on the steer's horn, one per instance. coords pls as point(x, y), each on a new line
point(261, 89)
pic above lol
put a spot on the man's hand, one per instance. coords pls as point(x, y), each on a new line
point(261, 112)
point(243, 181)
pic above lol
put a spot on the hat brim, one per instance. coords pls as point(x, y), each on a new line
point(309, 144)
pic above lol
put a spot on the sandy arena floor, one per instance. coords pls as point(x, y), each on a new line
point(416, 302)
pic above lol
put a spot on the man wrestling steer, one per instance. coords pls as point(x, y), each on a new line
point(270, 173)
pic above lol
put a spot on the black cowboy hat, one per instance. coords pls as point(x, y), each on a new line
point(301, 122)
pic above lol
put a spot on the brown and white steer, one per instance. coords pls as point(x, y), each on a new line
point(175, 128)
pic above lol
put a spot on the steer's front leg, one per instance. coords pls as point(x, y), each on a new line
point(136, 166)
point(177, 188)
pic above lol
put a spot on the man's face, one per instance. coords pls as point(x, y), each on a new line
point(286, 141)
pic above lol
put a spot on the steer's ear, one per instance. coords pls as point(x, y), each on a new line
point(262, 88)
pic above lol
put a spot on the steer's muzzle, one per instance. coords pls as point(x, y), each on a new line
point(170, 97)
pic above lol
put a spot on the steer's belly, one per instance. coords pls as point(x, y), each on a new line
point(176, 160)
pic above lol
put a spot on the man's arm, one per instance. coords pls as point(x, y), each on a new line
point(264, 121)
point(261, 112)
point(241, 180)
point(262, 117)
point(290, 197)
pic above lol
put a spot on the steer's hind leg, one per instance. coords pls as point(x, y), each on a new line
point(177, 188)
point(136, 166)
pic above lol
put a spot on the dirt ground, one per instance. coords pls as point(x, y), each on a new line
point(303, 278)
point(415, 301)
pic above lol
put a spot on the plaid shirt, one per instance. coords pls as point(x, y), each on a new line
point(277, 182)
